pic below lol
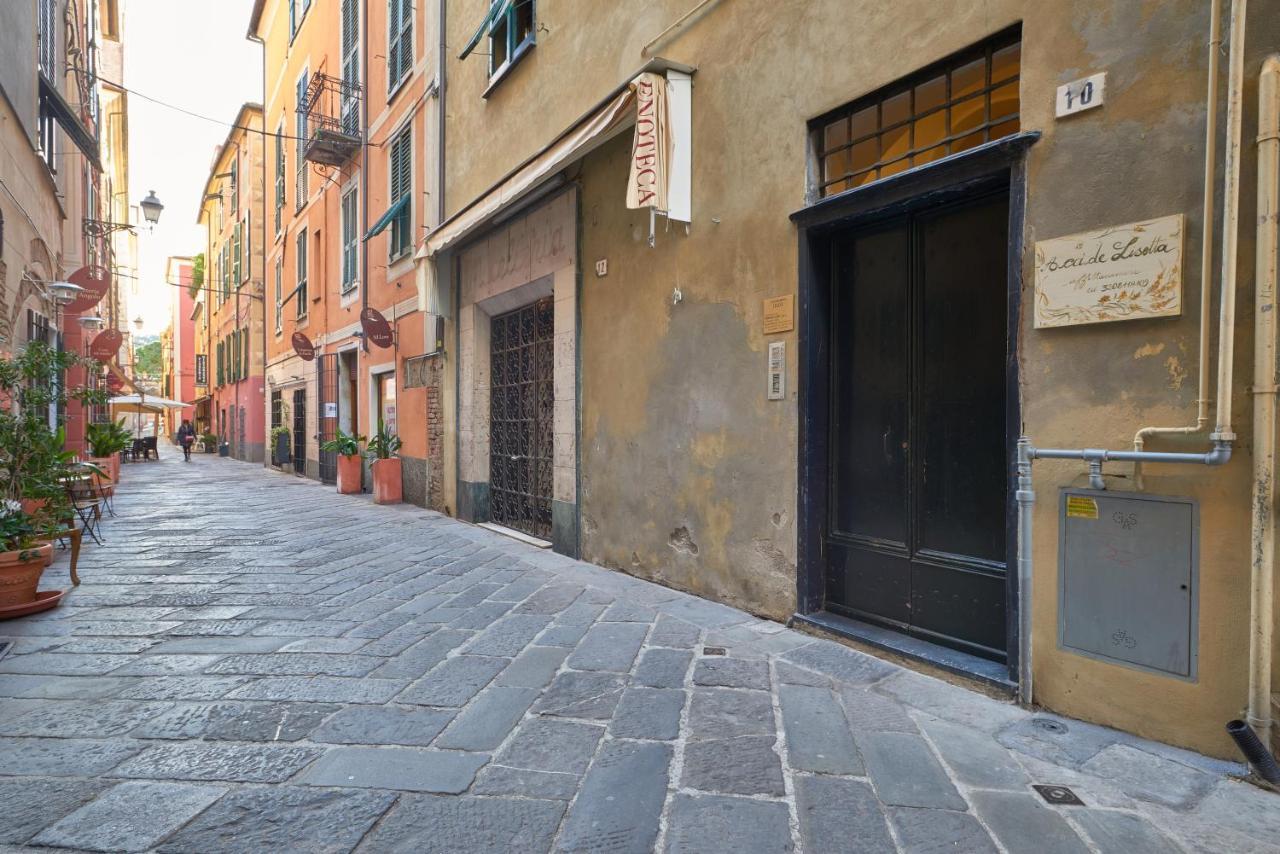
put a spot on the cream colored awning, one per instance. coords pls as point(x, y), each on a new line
point(590, 133)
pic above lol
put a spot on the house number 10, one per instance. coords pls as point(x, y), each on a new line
point(1080, 95)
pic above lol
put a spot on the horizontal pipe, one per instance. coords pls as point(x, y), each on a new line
point(1220, 454)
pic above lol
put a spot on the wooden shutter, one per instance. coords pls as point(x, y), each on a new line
point(393, 43)
point(406, 37)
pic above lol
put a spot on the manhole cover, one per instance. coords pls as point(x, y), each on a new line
point(713, 650)
point(1059, 795)
point(1049, 725)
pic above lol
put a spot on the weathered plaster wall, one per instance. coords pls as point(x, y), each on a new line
point(1140, 156)
point(688, 473)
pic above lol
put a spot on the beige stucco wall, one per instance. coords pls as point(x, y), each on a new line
point(688, 474)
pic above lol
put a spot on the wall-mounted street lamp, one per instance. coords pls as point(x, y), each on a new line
point(64, 293)
point(151, 208)
point(137, 323)
point(91, 322)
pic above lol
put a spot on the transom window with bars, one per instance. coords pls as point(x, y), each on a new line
point(964, 101)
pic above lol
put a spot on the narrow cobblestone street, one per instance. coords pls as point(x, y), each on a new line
point(253, 663)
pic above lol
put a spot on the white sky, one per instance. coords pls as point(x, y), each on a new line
point(192, 54)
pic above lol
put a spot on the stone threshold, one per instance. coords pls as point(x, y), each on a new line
point(990, 676)
point(514, 534)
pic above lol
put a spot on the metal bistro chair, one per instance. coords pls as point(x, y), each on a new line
point(86, 502)
point(135, 450)
point(150, 448)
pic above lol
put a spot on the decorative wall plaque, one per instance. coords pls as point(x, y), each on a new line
point(1127, 272)
point(779, 315)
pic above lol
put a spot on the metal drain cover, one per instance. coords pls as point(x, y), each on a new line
point(1049, 725)
point(1059, 795)
point(713, 650)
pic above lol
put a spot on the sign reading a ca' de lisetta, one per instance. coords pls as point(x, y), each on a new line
point(1127, 272)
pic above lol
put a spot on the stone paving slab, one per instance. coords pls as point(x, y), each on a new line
point(341, 676)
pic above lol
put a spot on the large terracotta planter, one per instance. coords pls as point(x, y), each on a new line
point(349, 474)
point(388, 483)
point(20, 573)
point(111, 465)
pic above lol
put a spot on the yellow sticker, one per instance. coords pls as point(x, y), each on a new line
point(1081, 507)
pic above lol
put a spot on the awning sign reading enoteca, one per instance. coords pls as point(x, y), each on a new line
point(651, 146)
point(1126, 272)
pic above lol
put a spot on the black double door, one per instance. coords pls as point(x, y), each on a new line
point(916, 529)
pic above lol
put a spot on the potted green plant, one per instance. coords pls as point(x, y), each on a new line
point(281, 445)
point(106, 440)
point(388, 480)
point(210, 443)
point(347, 447)
point(34, 465)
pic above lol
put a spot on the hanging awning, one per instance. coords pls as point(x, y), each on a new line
point(386, 219)
point(614, 115)
point(65, 115)
point(497, 8)
point(596, 129)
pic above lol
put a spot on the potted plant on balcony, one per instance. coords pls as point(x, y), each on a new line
point(388, 481)
point(347, 447)
point(33, 466)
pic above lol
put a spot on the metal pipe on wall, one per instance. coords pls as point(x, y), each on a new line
point(1266, 376)
point(1206, 246)
point(1230, 224)
point(1222, 437)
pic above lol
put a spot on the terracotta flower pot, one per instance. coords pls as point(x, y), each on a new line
point(110, 465)
point(388, 483)
point(349, 474)
point(20, 573)
point(32, 506)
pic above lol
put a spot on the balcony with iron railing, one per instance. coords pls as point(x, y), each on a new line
point(332, 113)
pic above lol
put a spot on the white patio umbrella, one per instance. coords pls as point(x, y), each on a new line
point(145, 403)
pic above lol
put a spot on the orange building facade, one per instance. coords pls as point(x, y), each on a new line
point(230, 213)
point(349, 176)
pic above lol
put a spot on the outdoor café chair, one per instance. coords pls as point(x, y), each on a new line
point(86, 503)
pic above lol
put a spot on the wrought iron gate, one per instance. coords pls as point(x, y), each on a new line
point(300, 431)
point(521, 432)
point(327, 417)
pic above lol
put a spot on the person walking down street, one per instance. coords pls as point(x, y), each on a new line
point(186, 438)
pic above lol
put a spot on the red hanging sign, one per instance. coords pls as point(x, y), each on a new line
point(106, 345)
point(303, 347)
point(376, 328)
point(96, 281)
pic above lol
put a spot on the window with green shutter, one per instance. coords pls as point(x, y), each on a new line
point(401, 187)
point(300, 296)
point(236, 269)
point(350, 241)
point(279, 174)
point(399, 42)
point(300, 190)
point(350, 67)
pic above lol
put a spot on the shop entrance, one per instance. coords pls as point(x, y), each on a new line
point(916, 444)
point(521, 407)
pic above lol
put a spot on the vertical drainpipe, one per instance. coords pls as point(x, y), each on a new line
point(1265, 377)
point(1026, 498)
point(365, 149)
point(262, 140)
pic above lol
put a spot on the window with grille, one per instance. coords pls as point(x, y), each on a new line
point(964, 101)
point(300, 122)
point(48, 36)
point(300, 294)
point(279, 174)
point(399, 42)
point(280, 294)
point(350, 242)
point(401, 186)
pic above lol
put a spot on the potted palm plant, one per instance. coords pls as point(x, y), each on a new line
point(106, 440)
point(33, 467)
point(347, 447)
point(388, 480)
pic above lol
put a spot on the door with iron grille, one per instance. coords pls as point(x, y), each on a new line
point(300, 431)
point(328, 415)
point(521, 403)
